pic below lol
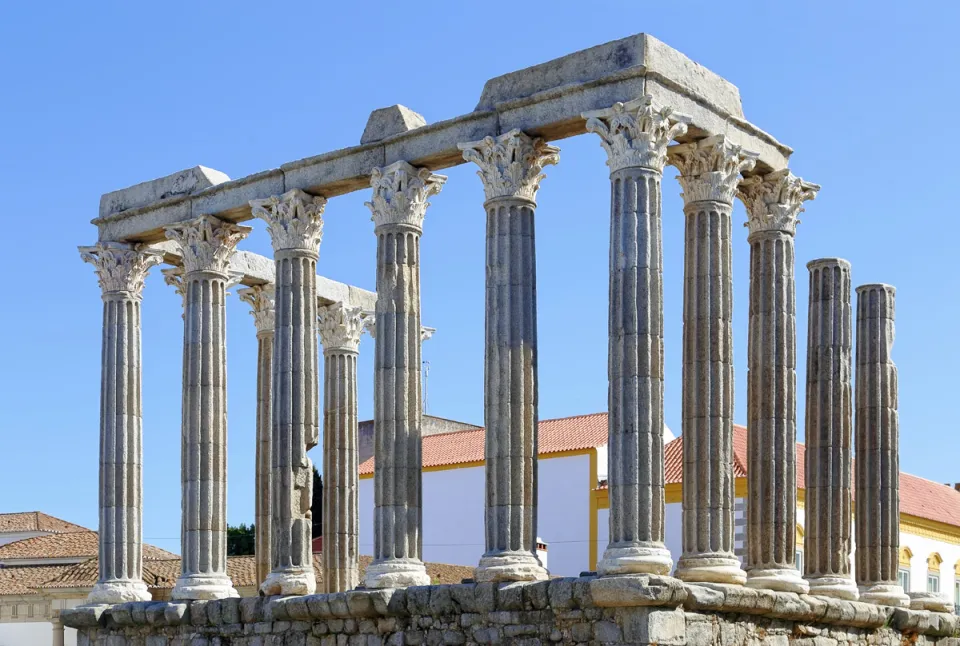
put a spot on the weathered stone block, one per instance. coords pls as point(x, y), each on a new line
point(652, 626)
point(389, 121)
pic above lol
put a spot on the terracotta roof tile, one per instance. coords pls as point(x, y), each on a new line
point(554, 436)
point(918, 496)
point(25, 580)
point(36, 521)
point(74, 544)
point(163, 573)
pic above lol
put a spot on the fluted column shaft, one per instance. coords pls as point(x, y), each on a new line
point(510, 168)
point(121, 270)
point(295, 223)
point(340, 330)
point(772, 415)
point(877, 449)
point(709, 175)
point(635, 136)
point(773, 203)
point(398, 206)
point(261, 299)
point(206, 244)
point(827, 537)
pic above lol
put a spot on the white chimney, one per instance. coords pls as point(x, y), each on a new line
point(542, 552)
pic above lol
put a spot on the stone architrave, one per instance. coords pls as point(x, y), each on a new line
point(510, 169)
point(827, 539)
point(340, 328)
point(635, 136)
point(709, 174)
point(295, 223)
point(121, 269)
point(261, 301)
point(207, 245)
point(773, 203)
point(399, 204)
point(877, 450)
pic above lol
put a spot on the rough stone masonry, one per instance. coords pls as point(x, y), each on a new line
point(651, 107)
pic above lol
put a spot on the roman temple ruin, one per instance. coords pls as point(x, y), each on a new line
point(649, 107)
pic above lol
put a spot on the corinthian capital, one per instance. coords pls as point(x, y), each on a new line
point(340, 327)
point(294, 220)
point(511, 164)
point(775, 200)
point(710, 169)
point(121, 268)
point(261, 299)
point(400, 193)
point(206, 243)
point(636, 133)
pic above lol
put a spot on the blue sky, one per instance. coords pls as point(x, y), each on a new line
point(99, 96)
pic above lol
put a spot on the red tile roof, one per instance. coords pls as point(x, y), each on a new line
point(36, 521)
point(25, 580)
point(242, 570)
point(918, 496)
point(554, 436)
point(74, 544)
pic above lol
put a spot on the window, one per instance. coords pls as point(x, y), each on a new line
point(903, 578)
point(799, 560)
point(933, 582)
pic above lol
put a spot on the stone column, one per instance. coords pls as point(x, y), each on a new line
point(340, 329)
point(57, 636)
point(829, 428)
point(635, 136)
point(877, 449)
point(400, 193)
point(121, 270)
point(773, 203)
point(295, 223)
point(709, 173)
point(207, 245)
point(261, 300)
point(510, 168)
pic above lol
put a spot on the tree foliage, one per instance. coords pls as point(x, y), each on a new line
point(240, 539)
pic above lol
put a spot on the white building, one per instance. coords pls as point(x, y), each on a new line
point(573, 513)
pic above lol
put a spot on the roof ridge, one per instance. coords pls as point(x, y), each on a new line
point(568, 417)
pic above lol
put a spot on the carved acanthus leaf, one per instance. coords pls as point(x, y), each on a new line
point(636, 133)
point(400, 193)
point(775, 200)
point(261, 301)
point(511, 164)
point(340, 327)
point(370, 325)
point(206, 243)
point(294, 220)
point(121, 268)
point(173, 276)
point(710, 168)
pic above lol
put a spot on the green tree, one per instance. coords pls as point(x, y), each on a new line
point(316, 505)
point(240, 539)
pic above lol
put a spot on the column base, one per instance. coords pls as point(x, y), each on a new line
point(203, 586)
point(396, 573)
point(786, 579)
point(635, 558)
point(717, 567)
point(117, 591)
point(933, 601)
point(287, 581)
point(837, 587)
point(884, 594)
point(509, 566)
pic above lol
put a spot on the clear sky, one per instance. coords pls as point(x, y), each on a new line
point(100, 96)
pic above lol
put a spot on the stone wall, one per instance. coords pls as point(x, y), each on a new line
point(616, 610)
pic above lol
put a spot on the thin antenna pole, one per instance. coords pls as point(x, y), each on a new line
point(426, 377)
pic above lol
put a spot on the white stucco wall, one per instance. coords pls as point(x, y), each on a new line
point(453, 500)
